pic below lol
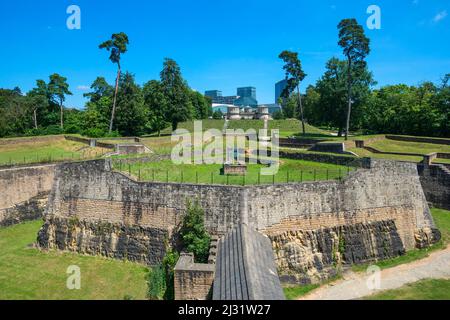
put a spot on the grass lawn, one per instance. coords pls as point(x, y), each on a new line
point(429, 289)
point(388, 145)
point(366, 153)
point(46, 151)
point(295, 292)
point(287, 127)
point(289, 171)
point(27, 273)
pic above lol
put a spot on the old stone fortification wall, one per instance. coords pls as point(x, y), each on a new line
point(23, 192)
point(138, 219)
point(314, 227)
point(192, 281)
point(435, 181)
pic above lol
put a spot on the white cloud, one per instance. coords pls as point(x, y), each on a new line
point(83, 88)
point(333, 6)
point(440, 16)
point(416, 2)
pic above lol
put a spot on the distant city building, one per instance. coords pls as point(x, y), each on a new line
point(242, 106)
point(216, 97)
point(246, 97)
point(279, 87)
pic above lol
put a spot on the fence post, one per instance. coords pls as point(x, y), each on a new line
point(228, 181)
point(182, 176)
point(273, 179)
point(129, 170)
point(212, 177)
point(196, 177)
point(301, 175)
point(327, 174)
point(167, 175)
point(287, 176)
point(314, 174)
point(348, 169)
point(340, 178)
point(153, 175)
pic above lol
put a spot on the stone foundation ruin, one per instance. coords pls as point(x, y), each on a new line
point(376, 212)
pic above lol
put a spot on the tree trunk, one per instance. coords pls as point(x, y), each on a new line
point(111, 122)
point(35, 118)
point(301, 109)
point(61, 114)
point(349, 97)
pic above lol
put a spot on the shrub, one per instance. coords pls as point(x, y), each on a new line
point(169, 262)
point(156, 283)
point(193, 233)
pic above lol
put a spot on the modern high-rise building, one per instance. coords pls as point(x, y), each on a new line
point(246, 97)
point(279, 87)
point(216, 97)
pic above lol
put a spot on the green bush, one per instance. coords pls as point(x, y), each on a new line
point(169, 262)
point(156, 283)
point(193, 233)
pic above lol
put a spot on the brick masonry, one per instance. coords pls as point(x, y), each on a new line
point(435, 180)
point(24, 192)
point(192, 281)
point(140, 219)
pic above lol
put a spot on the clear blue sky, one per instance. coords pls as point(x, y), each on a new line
point(218, 44)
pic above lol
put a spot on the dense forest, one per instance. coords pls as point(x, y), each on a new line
point(398, 109)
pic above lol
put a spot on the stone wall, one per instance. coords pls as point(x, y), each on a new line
point(192, 281)
point(346, 160)
point(23, 192)
point(435, 180)
point(140, 219)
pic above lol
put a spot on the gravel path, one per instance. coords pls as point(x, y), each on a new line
point(354, 285)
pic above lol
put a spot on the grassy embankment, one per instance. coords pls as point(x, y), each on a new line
point(27, 273)
point(289, 171)
point(44, 149)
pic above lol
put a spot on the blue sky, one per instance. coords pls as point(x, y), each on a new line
point(218, 44)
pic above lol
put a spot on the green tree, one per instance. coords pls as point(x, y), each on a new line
point(117, 45)
point(193, 233)
point(356, 47)
point(131, 115)
point(217, 115)
point(202, 106)
point(176, 91)
point(58, 89)
point(294, 76)
point(38, 100)
point(156, 103)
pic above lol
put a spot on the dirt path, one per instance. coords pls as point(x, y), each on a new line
point(354, 285)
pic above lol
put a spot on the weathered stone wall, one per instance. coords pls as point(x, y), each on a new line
point(89, 193)
point(372, 214)
point(305, 256)
point(144, 216)
point(23, 192)
point(192, 281)
point(435, 180)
